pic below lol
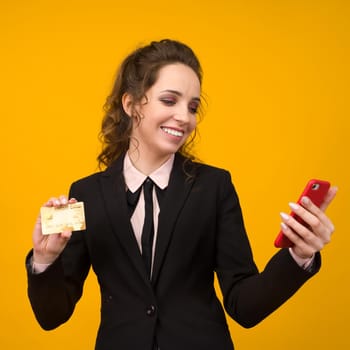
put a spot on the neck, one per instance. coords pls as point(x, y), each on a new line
point(146, 162)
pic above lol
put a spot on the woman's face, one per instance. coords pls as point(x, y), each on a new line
point(168, 113)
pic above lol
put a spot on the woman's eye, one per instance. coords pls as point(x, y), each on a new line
point(193, 108)
point(168, 101)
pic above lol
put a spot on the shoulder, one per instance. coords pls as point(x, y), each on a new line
point(215, 177)
point(114, 170)
point(201, 173)
point(196, 166)
point(85, 185)
point(211, 169)
point(89, 179)
point(201, 169)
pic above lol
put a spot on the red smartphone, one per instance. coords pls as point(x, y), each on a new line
point(316, 190)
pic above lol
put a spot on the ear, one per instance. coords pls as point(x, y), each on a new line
point(127, 102)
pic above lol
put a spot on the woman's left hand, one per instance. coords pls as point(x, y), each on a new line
point(311, 238)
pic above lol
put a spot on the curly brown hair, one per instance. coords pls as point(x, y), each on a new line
point(137, 73)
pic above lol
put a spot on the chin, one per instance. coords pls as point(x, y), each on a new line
point(170, 148)
point(168, 152)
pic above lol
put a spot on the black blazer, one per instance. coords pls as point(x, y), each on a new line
point(200, 232)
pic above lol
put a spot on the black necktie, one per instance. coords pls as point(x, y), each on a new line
point(132, 199)
point(148, 226)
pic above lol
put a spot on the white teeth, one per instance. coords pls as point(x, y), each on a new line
point(173, 132)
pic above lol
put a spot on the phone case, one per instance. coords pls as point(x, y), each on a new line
point(316, 190)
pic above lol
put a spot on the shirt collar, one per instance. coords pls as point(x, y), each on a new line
point(134, 178)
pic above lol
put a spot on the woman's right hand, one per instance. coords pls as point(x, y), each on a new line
point(47, 248)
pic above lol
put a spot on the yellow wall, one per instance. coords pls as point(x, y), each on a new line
point(277, 84)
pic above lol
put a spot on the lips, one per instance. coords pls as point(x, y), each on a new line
point(173, 132)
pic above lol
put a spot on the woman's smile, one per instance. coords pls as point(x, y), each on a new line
point(172, 131)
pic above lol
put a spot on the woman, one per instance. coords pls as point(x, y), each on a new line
point(155, 255)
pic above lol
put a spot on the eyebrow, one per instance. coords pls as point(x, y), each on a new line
point(178, 93)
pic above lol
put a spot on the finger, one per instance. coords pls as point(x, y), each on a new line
point(329, 198)
point(51, 202)
point(316, 233)
point(63, 200)
point(302, 248)
point(311, 215)
point(298, 228)
point(66, 234)
point(57, 201)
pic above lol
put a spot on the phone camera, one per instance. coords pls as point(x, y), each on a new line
point(315, 187)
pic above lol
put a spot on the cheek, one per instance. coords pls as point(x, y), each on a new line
point(193, 124)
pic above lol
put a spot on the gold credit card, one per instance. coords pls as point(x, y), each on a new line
point(57, 220)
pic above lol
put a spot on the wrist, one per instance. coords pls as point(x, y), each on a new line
point(43, 259)
point(303, 262)
point(300, 256)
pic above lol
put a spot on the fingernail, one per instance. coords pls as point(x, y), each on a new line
point(284, 226)
point(284, 216)
point(305, 200)
point(294, 206)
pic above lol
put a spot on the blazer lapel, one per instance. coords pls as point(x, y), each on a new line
point(175, 196)
point(113, 189)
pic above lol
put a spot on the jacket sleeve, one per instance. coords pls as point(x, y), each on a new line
point(249, 295)
point(54, 293)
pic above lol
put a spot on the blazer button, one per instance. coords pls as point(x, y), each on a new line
point(151, 310)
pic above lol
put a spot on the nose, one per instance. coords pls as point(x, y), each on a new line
point(182, 115)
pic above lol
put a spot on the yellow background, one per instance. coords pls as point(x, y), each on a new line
point(277, 85)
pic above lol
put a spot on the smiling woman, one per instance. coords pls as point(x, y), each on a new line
point(139, 71)
point(154, 235)
point(165, 118)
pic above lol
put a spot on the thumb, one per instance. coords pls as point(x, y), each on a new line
point(66, 234)
point(329, 198)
